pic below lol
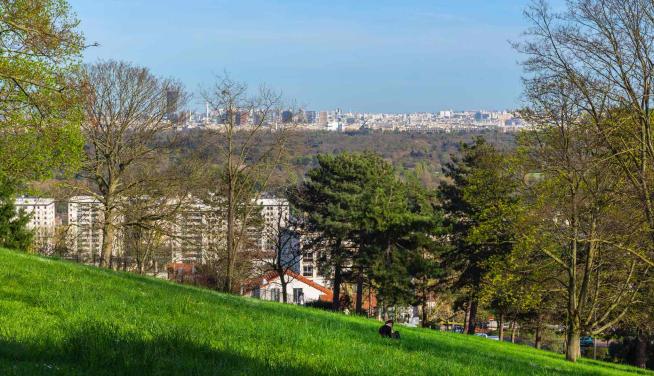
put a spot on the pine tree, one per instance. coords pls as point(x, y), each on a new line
point(375, 224)
point(13, 225)
point(479, 203)
point(331, 197)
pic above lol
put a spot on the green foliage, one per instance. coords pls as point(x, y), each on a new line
point(481, 207)
point(482, 210)
point(13, 231)
point(59, 318)
point(381, 224)
point(332, 196)
point(398, 148)
point(40, 109)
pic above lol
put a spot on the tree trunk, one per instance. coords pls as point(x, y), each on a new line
point(572, 348)
point(359, 297)
point(641, 350)
point(337, 287)
point(537, 339)
point(369, 313)
point(229, 275)
point(424, 315)
point(108, 233)
point(466, 317)
point(284, 283)
point(500, 327)
point(472, 320)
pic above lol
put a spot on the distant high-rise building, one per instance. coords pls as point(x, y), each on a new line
point(193, 231)
point(42, 219)
point(311, 117)
point(242, 118)
point(323, 118)
point(287, 116)
point(482, 116)
point(172, 102)
point(445, 114)
point(85, 229)
point(300, 117)
point(85, 218)
point(275, 213)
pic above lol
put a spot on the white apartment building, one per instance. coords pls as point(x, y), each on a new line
point(308, 267)
point(42, 219)
point(198, 227)
point(276, 215)
point(193, 233)
point(85, 217)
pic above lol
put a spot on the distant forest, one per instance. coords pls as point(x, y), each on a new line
point(424, 153)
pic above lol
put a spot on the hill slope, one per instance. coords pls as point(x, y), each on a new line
point(62, 318)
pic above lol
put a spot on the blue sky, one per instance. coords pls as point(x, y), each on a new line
point(360, 55)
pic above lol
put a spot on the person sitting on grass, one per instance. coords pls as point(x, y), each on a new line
point(386, 331)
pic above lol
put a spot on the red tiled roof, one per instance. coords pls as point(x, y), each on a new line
point(271, 276)
point(177, 266)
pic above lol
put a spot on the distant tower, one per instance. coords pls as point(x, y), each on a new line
point(172, 97)
point(206, 119)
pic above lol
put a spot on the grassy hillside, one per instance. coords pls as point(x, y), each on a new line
point(58, 318)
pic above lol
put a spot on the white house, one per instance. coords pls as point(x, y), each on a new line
point(300, 289)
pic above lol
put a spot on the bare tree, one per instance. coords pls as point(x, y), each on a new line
point(578, 214)
point(282, 249)
point(148, 227)
point(249, 145)
point(603, 51)
point(129, 118)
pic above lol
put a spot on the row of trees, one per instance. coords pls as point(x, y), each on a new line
point(559, 232)
point(543, 236)
point(135, 166)
point(566, 220)
point(540, 235)
point(588, 78)
point(111, 125)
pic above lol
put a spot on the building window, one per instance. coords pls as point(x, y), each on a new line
point(256, 293)
point(275, 294)
point(308, 257)
point(307, 270)
point(298, 296)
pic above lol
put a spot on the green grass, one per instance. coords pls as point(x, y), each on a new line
point(59, 318)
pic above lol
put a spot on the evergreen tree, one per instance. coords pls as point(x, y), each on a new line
point(377, 227)
point(426, 245)
point(13, 225)
point(401, 232)
point(331, 198)
point(479, 203)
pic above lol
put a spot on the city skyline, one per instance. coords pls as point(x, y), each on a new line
point(365, 57)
